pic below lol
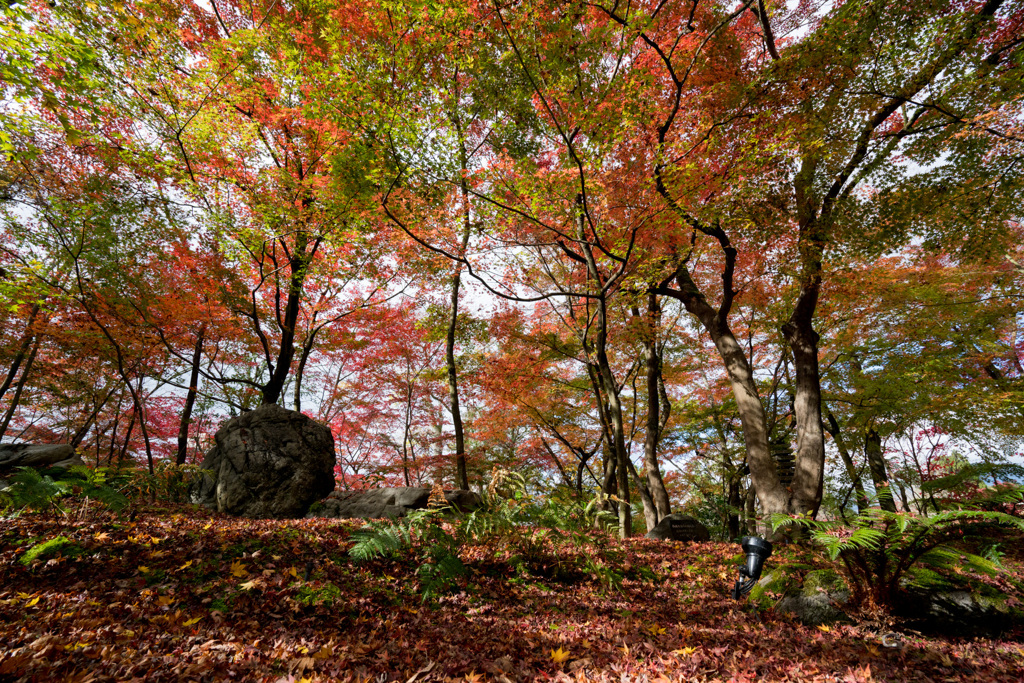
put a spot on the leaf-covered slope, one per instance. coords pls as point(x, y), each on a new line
point(178, 595)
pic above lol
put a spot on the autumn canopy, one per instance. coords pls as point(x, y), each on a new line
point(729, 258)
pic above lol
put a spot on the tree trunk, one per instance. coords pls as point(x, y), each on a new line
point(16, 398)
point(879, 476)
point(23, 350)
point(461, 474)
point(851, 469)
point(190, 399)
point(763, 473)
point(735, 505)
point(655, 423)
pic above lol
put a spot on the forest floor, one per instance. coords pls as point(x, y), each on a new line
point(182, 594)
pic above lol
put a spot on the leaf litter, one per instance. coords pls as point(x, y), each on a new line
point(182, 594)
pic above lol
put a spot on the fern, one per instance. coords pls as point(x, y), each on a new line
point(878, 548)
point(379, 540)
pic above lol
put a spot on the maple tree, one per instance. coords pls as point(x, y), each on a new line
point(296, 203)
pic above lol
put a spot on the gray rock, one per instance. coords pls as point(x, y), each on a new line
point(819, 600)
point(269, 463)
point(815, 609)
point(388, 502)
point(40, 456)
point(680, 528)
point(958, 611)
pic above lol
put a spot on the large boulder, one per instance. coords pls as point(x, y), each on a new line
point(269, 463)
point(388, 502)
point(39, 456)
point(820, 598)
point(680, 528)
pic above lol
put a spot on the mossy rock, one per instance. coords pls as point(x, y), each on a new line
point(814, 599)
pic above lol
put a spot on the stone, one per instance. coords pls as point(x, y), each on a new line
point(818, 601)
point(268, 463)
point(40, 456)
point(816, 609)
point(680, 528)
point(389, 502)
point(957, 611)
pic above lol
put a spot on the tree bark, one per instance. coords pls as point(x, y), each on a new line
point(876, 463)
point(23, 349)
point(190, 399)
point(16, 398)
point(851, 469)
point(763, 473)
point(655, 420)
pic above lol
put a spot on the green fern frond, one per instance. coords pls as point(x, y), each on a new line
point(374, 541)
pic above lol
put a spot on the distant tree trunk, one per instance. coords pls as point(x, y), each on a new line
point(298, 264)
point(461, 474)
point(19, 388)
point(851, 469)
point(79, 436)
point(751, 511)
point(735, 505)
point(655, 421)
point(190, 399)
point(23, 350)
point(123, 453)
point(879, 476)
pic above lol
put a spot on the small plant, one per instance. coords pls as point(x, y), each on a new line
point(423, 531)
point(327, 594)
point(168, 482)
point(60, 545)
point(51, 489)
point(877, 549)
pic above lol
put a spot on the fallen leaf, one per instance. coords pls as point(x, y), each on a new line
point(558, 656)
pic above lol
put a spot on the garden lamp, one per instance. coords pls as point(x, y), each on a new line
point(758, 550)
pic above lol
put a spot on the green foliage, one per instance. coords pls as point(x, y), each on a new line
point(878, 549)
point(435, 544)
point(168, 482)
point(59, 545)
point(549, 537)
point(311, 596)
point(50, 490)
point(30, 490)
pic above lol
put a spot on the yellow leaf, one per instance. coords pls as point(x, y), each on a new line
point(684, 651)
point(207, 527)
point(164, 600)
point(144, 570)
point(325, 652)
point(873, 649)
point(824, 629)
point(190, 622)
point(292, 572)
point(249, 585)
point(558, 656)
point(238, 569)
point(185, 566)
point(24, 596)
point(32, 601)
point(156, 554)
point(102, 536)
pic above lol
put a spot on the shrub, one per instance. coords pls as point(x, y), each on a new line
point(50, 490)
point(877, 549)
point(552, 538)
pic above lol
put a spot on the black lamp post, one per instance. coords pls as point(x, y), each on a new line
point(758, 550)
